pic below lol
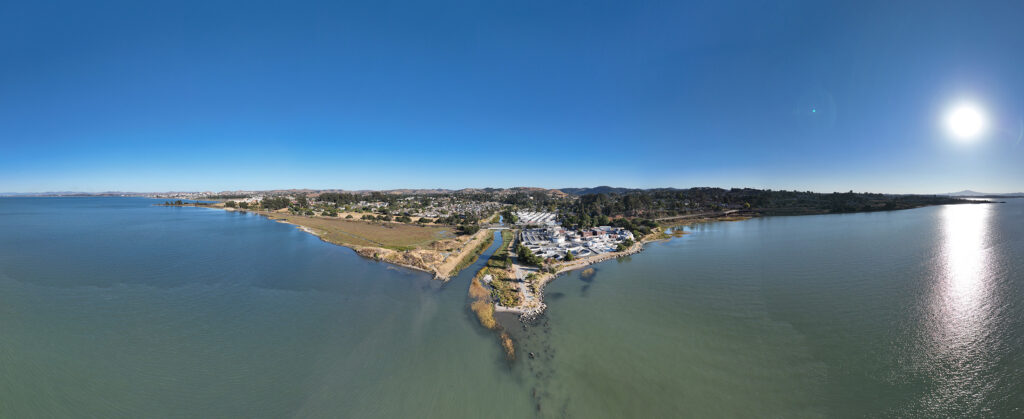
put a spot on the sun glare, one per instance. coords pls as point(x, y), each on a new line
point(966, 122)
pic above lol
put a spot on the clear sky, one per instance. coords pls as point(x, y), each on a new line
point(211, 95)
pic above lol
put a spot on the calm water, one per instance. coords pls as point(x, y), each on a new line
point(113, 307)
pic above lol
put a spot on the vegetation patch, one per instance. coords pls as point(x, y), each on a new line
point(473, 255)
point(481, 305)
point(526, 256)
point(500, 259)
point(504, 289)
point(505, 292)
point(508, 345)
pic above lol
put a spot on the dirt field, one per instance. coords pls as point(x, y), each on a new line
point(427, 248)
point(394, 236)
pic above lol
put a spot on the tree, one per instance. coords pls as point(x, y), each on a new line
point(526, 256)
point(276, 203)
point(569, 256)
point(337, 198)
point(230, 204)
point(509, 217)
point(243, 205)
point(468, 229)
point(302, 201)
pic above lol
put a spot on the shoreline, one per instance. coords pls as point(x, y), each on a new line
point(374, 253)
point(466, 247)
point(528, 313)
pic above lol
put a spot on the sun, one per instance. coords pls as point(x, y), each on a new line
point(966, 121)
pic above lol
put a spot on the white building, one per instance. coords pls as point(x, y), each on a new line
point(555, 241)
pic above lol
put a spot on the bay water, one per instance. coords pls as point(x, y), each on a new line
point(113, 307)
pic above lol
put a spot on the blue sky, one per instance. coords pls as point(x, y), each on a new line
point(212, 95)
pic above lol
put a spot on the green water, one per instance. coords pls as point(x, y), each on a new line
point(110, 307)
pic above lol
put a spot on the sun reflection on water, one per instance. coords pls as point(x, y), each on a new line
point(961, 307)
point(965, 228)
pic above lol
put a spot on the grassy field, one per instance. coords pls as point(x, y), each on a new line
point(395, 236)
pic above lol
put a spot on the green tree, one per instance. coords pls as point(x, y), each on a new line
point(527, 257)
point(276, 203)
point(230, 204)
point(509, 217)
point(468, 229)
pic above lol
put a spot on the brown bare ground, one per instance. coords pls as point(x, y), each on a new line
point(413, 246)
point(362, 233)
point(421, 247)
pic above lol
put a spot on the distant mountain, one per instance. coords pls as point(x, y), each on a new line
point(595, 190)
point(968, 192)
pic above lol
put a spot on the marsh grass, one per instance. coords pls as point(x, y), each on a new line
point(482, 306)
point(474, 255)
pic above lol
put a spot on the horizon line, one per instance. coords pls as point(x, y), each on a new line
point(963, 191)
